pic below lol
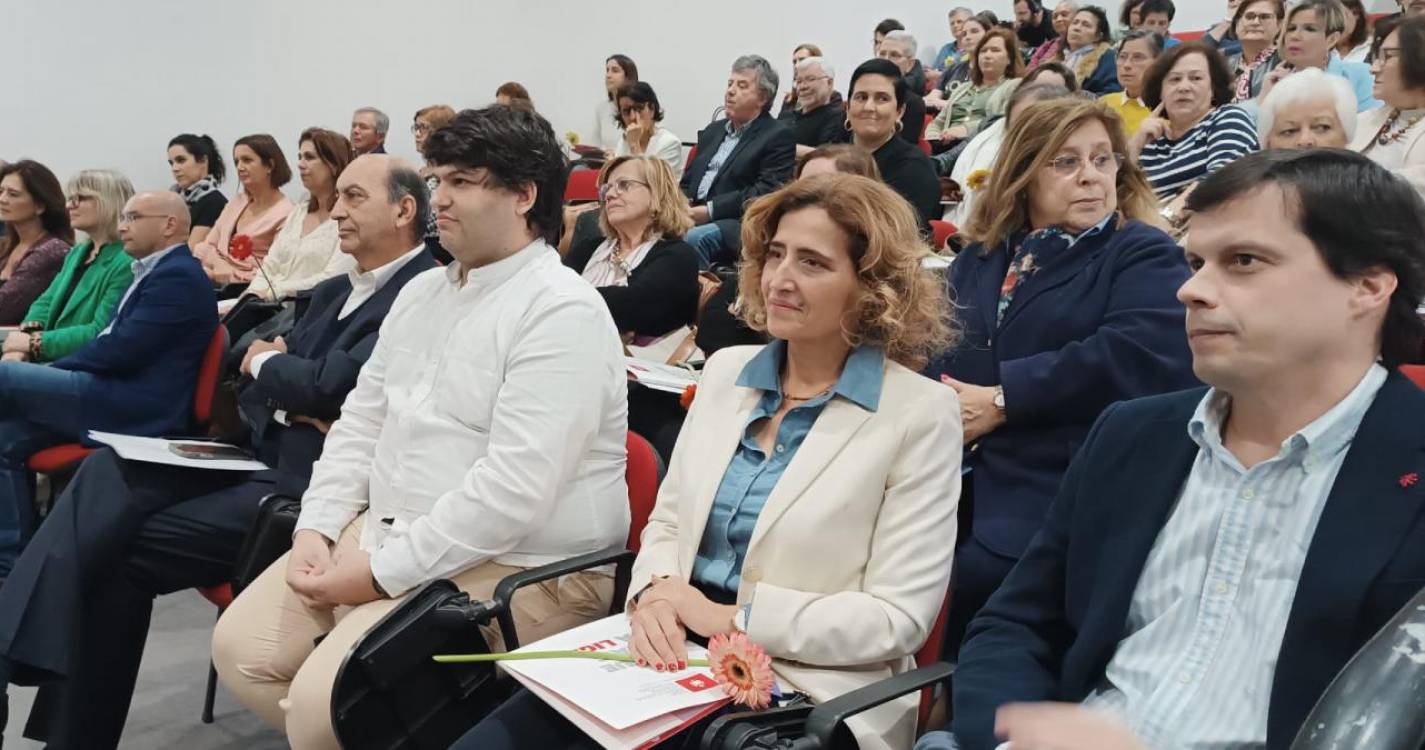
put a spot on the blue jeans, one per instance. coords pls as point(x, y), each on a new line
point(707, 240)
point(39, 407)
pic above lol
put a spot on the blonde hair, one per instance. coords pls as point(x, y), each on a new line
point(111, 190)
point(900, 309)
point(1034, 139)
point(666, 217)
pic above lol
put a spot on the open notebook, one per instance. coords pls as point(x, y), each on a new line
point(618, 704)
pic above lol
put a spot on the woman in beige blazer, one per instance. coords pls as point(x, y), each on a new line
point(1394, 135)
point(811, 498)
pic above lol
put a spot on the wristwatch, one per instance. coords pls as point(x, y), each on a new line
point(998, 400)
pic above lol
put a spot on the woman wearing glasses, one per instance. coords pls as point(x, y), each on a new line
point(1394, 135)
point(646, 273)
point(80, 300)
point(638, 116)
point(1067, 302)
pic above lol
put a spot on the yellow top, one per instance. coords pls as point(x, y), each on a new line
point(1133, 111)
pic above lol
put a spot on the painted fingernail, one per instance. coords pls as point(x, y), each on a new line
point(659, 667)
point(642, 663)
point(682, 665)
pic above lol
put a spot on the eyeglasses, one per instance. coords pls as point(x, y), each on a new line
point(1070, 164)
point(633, 109)
point(617, 187)
point(420, 127)
point(809, 79)
point(1386, 54)
point(1251, 17)
point(78, 198)
point(131, 217)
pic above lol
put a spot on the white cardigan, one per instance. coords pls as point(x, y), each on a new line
point(663, 145)
point(1412, 147)
point(296, 263)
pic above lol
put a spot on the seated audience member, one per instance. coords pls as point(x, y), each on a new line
point(1310, 109)
point(306, 250)
point(971, 32)
point(1222, 36)
point(37, 235)
point(831, 269)
point(1074, 284)
point(1270, 498)
point(81, 300)
point(1088, 51)
point(820, 114)
point(1308, 41)
point(981, 152)
point(514, 93)
point(1051, 74)
point(1136, 53)
point(899, 47)
point(838, 158)
point(427, 121)
point(1033, 25)
point(136, 377)
point(1199, 131)
point(1158, 19)
point(1130, 17)
point(914, 71)
point(947, 161)
point(139, 530)
point(789, 100)
point(646, 274)
point(515, 459)
point(875, 105)
point(639, 115)
point(1393, 136)
point(995, 69)
point(1053, 49)
point(1355, 44)
point(743, 156)
point(1258, 26)
point(198, 170)
point(951, 51)
point(369, 126)
point(258, 212)
point(618, 70)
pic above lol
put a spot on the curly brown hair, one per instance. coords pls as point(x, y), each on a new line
point(901, 309)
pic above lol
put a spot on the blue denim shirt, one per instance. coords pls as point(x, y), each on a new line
point(751, 475)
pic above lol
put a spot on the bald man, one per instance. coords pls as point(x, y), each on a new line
point(141, 530)
point(135, 377)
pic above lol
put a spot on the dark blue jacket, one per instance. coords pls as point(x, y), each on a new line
point(1099, 323)
point(1104, 79)
point(147, 365)
point(324, 356)
point(1049, 632)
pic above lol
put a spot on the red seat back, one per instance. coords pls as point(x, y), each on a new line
point(642, 475)
point(209, 373)
point(1416, 373)
point(692, 154)
point(944, 230)
point(929, 654)
point(583, 186)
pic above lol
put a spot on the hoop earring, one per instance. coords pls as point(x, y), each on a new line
point(847, 124)
point(900, 125)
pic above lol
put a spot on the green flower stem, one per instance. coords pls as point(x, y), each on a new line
point(528, 655)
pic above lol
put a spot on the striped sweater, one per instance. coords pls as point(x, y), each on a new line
point(1226, 133)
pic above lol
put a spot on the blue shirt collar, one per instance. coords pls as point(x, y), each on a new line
point(860, 380)
point(144, 265)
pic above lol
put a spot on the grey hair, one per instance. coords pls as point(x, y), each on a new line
point(1310, 84)
point(960, 10)
point(383, 123)
point(766, 77)
point(816, 62)
point(1073, 5)
point(906, 39)
point(402, 181)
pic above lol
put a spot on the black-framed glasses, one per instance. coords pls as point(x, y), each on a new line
point(1251, 17)
point(79, 198)
point(1069, 165)
point(633, 109)
point(618, 187)
point(133, 216)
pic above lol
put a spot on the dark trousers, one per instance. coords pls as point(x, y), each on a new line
point(977, 573)
point(74, 614)
point(525, 721)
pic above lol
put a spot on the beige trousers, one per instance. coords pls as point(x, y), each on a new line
point(263, 644)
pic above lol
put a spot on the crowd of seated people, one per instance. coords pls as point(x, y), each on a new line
point(1189, 272)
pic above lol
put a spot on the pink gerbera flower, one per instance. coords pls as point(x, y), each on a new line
point(743, 669)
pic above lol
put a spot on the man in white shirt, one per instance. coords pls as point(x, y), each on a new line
point(485, 435)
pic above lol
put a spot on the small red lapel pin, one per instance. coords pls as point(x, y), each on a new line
point(1409, 480)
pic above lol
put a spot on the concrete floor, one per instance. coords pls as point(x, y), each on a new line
point(169, 697)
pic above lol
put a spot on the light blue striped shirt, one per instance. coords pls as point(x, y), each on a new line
point(724, 150)
point(1194, 670)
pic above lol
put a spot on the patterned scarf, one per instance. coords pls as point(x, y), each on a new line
point(1033, 252)
point(1244, 74)
point(197, 190)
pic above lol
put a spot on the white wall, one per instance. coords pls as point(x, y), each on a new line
point(106, 83)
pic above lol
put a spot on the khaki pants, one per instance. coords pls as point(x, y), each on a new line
point(263, 644)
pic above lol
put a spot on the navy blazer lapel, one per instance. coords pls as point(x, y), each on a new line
point(1372, 505)
point(749, 133)
point(128, 306)
point(985, 288)
point(1059, 271)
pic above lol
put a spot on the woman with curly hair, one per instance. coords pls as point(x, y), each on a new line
point(811, 499)
point(1068, 303)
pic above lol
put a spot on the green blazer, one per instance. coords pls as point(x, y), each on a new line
point(90, 307)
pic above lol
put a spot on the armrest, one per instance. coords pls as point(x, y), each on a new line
point(505, 590)
point(825, 718)
point(269, 537)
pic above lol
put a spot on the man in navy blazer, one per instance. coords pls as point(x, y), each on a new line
point(1215, 557)
point(136, 377)
point(75, 613)
point(742, 157)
